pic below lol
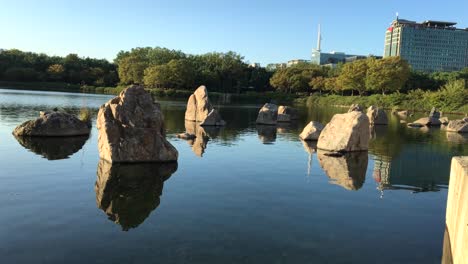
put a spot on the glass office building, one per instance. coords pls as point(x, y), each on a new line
point(428, 46)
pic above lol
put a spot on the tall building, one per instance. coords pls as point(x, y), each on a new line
point(429, 45)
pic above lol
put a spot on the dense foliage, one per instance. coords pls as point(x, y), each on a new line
point(19, 66)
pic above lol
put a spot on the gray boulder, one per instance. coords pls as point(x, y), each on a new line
point(131, 129)
point(425, 121)
point(268, 115)
point(377, 116)
point(459, 126)
point(434, 113)
point(213, 119)
point(311, 131)
point(287, 113)
point(345, 133)
point(53, 124)
point(199, 109)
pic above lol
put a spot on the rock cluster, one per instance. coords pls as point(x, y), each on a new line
point(53, 124)
point(268, 114)
point(199, 109)
point(311, 131)
point(345, 133)
point(287, 114)
point(131, 129)
point(377, 116)
point(459, 126)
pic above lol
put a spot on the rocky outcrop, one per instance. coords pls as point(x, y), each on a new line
point(53, 148)
point(425, 121)
point(131, 129)
point(355, 107)
point(268, 115)
point(377, 116)
point(287, 114)
point(311, 131)
point(459, 126)
point(347, 170)
point(345, 133)
point(199, 109)
point(444, 120)
point(53, 124)
point(128, 193)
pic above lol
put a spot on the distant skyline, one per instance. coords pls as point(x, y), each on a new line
point(261, 31)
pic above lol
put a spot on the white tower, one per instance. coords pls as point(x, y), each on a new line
point(319, 38)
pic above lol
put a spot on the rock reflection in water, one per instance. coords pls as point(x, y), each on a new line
point(203, 135)
point(457, 138)
point(310, 147)
point(348, 170)
point(53, 148)
point(266, 133)
point(128, 193)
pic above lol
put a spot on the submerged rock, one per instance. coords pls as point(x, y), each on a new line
point(128, 193)
point(377, 116)
point(199, 109)
point(268, 115)
point(131, 129)
point(459, 126)
point(53, 148)
point(347, 170)
point(345, 133)
point(311, 131)
point(53, 124)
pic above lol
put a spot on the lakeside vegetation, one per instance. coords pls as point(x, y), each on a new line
point(387, 82)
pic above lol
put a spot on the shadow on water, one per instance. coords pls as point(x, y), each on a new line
point(203, 135)
point(128, 193)
point(347, 170)
point(53, 148)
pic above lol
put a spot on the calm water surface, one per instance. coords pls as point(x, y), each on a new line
point(240, 194)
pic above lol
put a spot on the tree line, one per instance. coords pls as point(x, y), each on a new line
point(20, 66)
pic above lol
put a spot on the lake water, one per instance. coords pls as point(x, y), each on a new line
point(241, 194)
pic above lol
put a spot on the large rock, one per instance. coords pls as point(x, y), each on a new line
point(131, 129)
point(377, 116)
point(346, 132)
point(128, 193)
point(311, 131)
point(425, 121)
point(287, 113)
point(53, 124)
point(199, 109)
point(434, 113)
point(268, 114)
point(347, 170)
point(444, 120)
point(459, 126)
point(355, 107)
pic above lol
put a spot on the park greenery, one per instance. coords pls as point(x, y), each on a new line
point(387, 82)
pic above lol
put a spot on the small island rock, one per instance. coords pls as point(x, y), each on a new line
point(53, 124)
point(459, 126)
point(199, 109)
point(268, 115)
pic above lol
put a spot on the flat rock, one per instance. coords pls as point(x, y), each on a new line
point(345, 133)
point(131, 129)
point(53, 124)
point(311, 131)
point(268, 114)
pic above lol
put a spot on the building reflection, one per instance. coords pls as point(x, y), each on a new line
point(53, 148)
point(347, 170)
point(203, 135)
point(128, 193)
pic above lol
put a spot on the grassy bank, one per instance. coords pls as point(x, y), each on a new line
point(416, 101)
point(41, 86)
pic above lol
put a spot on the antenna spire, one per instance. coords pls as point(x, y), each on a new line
point(319, 38)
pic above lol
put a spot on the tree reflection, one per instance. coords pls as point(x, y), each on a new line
point(128, 193)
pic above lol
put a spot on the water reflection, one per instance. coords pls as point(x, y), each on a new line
point(203, 135)
point(266, 134)
point(347, 170)
point(128, 193)
point(310, 147)
point(53, 148)
point(457, 138)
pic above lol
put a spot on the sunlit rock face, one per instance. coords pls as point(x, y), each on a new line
point(311, 131)
point(345, 133)
point(347, 170)
point(53, 148)
point(266, 134)
point(268, 115)
point(199, 109)
point(53, 124)
point(131, 129)
point(128, 193)
point(355, 107)
point(202, 135)
point(459, 126)
point(377, 116)
point(287, 114)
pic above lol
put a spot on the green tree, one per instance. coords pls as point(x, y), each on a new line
point(56, 72)
point(387, 75)
point(353, 76)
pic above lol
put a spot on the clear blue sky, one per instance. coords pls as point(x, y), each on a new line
point(262, 31)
